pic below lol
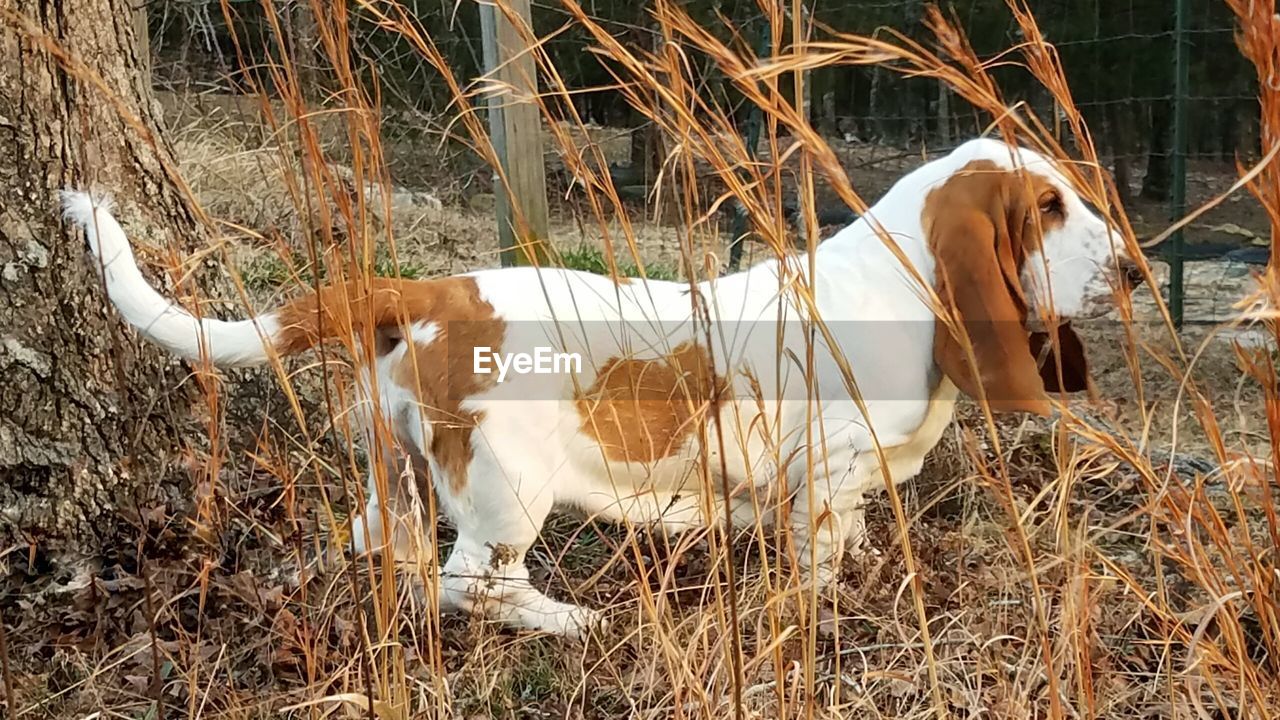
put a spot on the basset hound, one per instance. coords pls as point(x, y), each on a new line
point(755, 398)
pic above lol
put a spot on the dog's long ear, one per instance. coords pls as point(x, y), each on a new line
point(1063, 368)
point(974, 224)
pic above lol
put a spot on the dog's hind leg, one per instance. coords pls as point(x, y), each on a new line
point(388, 521)
point(499, 512)
point(369, 525)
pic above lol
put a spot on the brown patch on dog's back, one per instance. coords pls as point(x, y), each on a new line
point(645, 410)
point(381, 304)
point(440, 373)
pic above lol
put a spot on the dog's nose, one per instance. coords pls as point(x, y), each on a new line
point(1131, 272)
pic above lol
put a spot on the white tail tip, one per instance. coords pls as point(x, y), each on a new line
point(93, 213)
point(78, 206)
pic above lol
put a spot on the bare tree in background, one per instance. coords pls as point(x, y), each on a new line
point(90, 419)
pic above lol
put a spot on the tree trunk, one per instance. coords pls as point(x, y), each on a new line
point(944, 115)
point(875, 106)
point(1229, 129)
point(90, 418)
point(1117, 124)
point(828, 121)
point(647, 151)
point(1156, 184)
point(142, 39)
point(824, 89)
point(304, 36)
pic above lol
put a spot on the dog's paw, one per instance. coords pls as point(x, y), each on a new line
point(366, 533)
point(570, 621)
point(584, 622)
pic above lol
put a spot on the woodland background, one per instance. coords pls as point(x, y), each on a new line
point(1118, 56)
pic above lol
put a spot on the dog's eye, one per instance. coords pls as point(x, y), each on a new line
point(1051, 204)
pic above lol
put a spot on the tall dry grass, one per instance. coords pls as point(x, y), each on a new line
point(1043, 595)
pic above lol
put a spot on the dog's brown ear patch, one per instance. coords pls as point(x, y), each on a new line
point(1064, 369)
point(975, 224)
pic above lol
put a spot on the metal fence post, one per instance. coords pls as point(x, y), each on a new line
point(1178, 188)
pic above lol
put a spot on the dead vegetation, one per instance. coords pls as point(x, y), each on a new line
point(1034, 570)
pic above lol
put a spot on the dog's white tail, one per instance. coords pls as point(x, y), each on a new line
point(243, 342)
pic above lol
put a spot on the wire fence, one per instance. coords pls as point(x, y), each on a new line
point(1163, 140)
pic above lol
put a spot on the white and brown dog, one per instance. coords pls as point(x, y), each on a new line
point(682, 405)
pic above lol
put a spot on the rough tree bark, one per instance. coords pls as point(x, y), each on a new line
point(90, 418)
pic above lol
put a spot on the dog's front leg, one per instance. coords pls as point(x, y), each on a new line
point(499, 507)
point(827, 517)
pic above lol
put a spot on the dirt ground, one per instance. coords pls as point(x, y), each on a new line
point(252, 613)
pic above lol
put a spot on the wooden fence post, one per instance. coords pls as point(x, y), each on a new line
point(515, 128)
